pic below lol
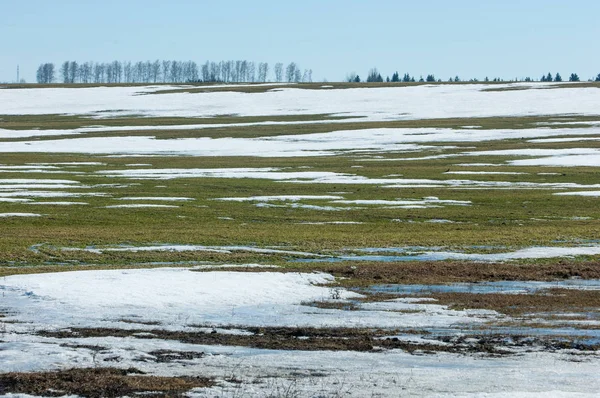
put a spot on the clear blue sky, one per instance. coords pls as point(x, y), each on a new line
point(469, 38)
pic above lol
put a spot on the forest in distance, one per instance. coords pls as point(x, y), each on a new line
point(240, 71)
point(166, 71)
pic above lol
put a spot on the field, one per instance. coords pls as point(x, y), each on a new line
point(300, 240)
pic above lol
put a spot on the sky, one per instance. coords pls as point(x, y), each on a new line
point(469, 38)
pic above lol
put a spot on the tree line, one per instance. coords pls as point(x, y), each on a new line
point(374, 76)
point(165, 71)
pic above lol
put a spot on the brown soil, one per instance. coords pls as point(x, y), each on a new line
point(324, 339)
point(99, 382)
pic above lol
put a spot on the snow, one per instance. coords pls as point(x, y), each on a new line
point(407, 203)
point(177, 298)
point(379, 140)
point(330, 222)
point(565, 157)
point(386, 103)
point(561, 161)
point(140, 205)
point(183, 297)
point(182, 248)
point(157, 198)
point(521, 254)
point(581, 193)
point(326, 177)
point(559, 140)
point(26, 181)
point(269, 173)
point(485, 172)
point(291, 198)
point(4, 215)
point(46, 194)
point(59, 203)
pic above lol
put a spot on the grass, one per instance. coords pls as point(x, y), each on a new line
point(512, 218)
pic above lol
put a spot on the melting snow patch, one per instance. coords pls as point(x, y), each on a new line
point(19, 215)
point(291, 198)
point(581, 193)
point(57, 203)
point(485, 172)
point(157, 198)
point(140, 205)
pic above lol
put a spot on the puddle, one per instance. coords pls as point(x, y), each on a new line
point(505, 287)
point(582, 336)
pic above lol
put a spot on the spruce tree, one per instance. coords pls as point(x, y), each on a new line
point(558, 77)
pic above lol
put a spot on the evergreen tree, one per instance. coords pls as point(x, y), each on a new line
point(543, 79)
point(549, 77)
point(573, 77)
point(395, 77)
point(357, 79)
point(598, 77)
point(430, 78)
point(558, 77)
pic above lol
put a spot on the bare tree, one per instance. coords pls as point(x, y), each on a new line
point(263, 71)
point(127, 72)
point(45, 73)
point(278, 72)
point(166, 68)
point(64, 71)
point(206, 72)
point(155, 71)
point(290, 72)
point(73, 72)
point(117, 71)
point(85, 72)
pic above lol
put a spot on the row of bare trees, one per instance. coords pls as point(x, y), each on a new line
point(171, 72)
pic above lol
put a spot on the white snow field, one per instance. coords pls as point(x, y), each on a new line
point(178, 299)
point(465, 101)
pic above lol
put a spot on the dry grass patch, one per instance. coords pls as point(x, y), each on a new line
point(551, 300)
point(359, 274)
point(101, 382)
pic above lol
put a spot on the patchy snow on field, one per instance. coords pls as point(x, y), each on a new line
point(381, 140)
